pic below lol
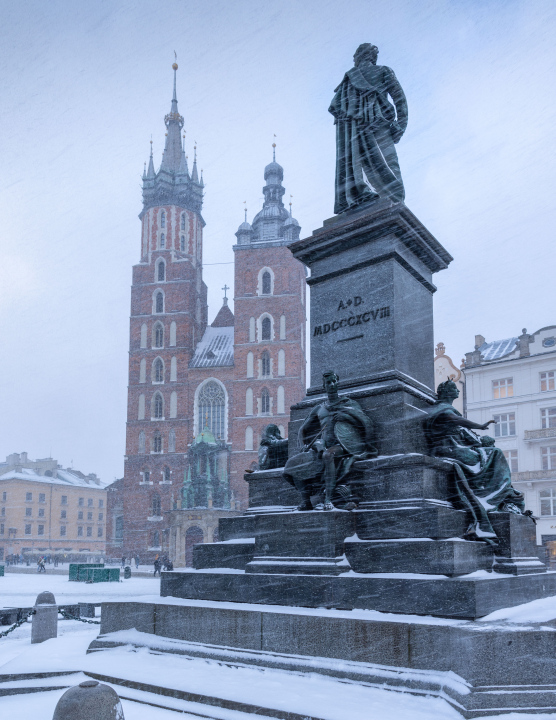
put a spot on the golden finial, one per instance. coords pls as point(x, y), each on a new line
point(175, 64)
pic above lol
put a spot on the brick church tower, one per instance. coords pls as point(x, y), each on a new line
point(269, 308)
point(168, 317)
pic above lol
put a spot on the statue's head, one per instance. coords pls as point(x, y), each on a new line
point(272, 431)
point(330, 381)
point(366, 51)
point(447, 391)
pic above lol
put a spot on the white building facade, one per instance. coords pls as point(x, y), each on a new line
point(513, 381)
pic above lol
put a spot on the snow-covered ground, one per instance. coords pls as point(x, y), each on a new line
point(310, 694)
point(21, 589)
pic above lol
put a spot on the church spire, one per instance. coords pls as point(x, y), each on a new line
point(174, 122)
point(150, 172)
point(194, 173)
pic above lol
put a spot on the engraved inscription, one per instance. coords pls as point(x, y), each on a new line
point(352, 320)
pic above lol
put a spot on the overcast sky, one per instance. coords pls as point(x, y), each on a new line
point(83, 85)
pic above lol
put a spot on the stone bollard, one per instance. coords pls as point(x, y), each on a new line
point(127, 572)
point(45, 619)
point(90, 700)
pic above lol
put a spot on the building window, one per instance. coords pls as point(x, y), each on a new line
point(161, 271)
point(163, 219)
point(162, 241)
point(252, 329)
point(155, 505)
point(146, 476)
point(141, 408)
point(548, 418)
point(89, 532)
point(42, 497)
point(80, 515)
point(141, 443)
point(249, 364)
point(548, 381)
point(3, 513)
point(41, 512)
point(548, 501)
point(100, 517)
point(265, 364)
point(119, 528)
point(62, 530)
point(511, 457)
point(157, 443)
point(64, 514)
point(173, 404)
point(182, 221)
point(166, 475)
point(182, 243)
point(40, 530)
point(249, 401)
point(28, 497)
point(89, 516)
point(79, 531)
point(155, 539)
point(159, 303)
point(548, 455)
point(212, 409)
point(4, 496)
point(64, 500)
point(265, 402)
point(101, 503)
point(283, 327)
point(280, 400)
point(172, 441)
point(1, 528)
point(265, 328)
point(81, 502)
point(505, 425)
point(266, 283)
point(281, 362)
point(158, 371)
point(90, 502)
point(248, 438)
point(159, 335)
point(158, 407)
point(503, 388)
point(143, 335)
point(99, 532)
point(28, 512)
point(27, 529)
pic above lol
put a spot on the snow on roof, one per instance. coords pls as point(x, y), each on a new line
point(64, 477)
point(216, 349)
point(497, 349)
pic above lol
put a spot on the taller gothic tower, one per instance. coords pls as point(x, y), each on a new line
point(168, 317)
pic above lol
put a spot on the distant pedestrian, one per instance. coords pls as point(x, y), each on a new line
point(169, 565)
point(137, 562)
point(40, 565)
point(157, 566)
point(123, 561)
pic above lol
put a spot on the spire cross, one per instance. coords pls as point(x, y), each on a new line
point(274, 151)
point(291, 205)
point(225, 288)
point(245, 209)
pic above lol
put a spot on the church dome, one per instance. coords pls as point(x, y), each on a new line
point(291, 221)
point(274, 169)
point(244, 227)
point(206, 436)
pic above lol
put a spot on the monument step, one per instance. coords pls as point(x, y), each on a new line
point(407, 519)
point(233, 554)
point(519, 565)
point(417, 555)
point(295, 565)
point(458, 597)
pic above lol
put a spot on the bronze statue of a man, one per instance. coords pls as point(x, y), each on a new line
point(335, 434)
point(367, 127)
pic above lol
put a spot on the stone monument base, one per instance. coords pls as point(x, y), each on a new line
point(480, 668)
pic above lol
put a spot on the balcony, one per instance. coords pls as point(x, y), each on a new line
point(539, 435)
point(531, 475)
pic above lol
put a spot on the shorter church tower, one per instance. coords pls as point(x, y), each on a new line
point(269, 309)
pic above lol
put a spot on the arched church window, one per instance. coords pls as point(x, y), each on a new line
point(267, 283)
point(155, 539)
point(159, 335)
point(212, 408)
point(265, 402)
point(265, 364)
point(158, 371)
point(155, 505)
point(141, 443)
point(163, 219)
point(161, 271)
point(157, 443)
point(172, 441)
point(182, 223)
point(182, 243)
point(162, 241)
point(158, 408)
point(159, 303)
point(265, 329)
point(166, 474)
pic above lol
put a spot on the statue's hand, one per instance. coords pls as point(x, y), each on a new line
point(490, 422)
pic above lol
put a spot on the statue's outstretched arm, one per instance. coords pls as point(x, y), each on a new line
point(464, 422)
